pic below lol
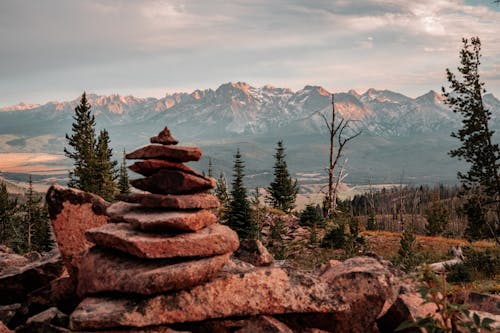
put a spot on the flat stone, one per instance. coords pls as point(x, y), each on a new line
point(171, 201)
point(174, 182)
point(264, 324)
point(72, 212)
point(164, 138)
point(150, 167)
point(150, 219)
point(209, 241)
point(171, 153)
point(145, 277)
point(264, 291)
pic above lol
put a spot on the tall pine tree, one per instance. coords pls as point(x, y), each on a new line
point(105, 168)
point(477, 149)
point(123, 184)
point(221, 191)
point(8, 209)
point(283, 190)
point(82, 151)
point(238, 215)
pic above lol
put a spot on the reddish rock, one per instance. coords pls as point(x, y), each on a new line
point(408, 306)
point(164, 138)
point(72, 212)
point(4, 329)
point(130, 275)
point(212, 240)
point(480, 302)
point(160, 220)
point(17, 281)
point(265, 324)
point(263, 291)
point(150, 167)
point(253, 252)
point(59, 293)
point(173, 182)
point(171, 153)
point(169, 201)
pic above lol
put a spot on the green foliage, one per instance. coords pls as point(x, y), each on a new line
point(311, 215)
point(210, 168)
point(276, 243)
point(238, 215)
point(26, 225)
point(93, 169)
point(437, 219)
point(483, 263)
point(477, 227)
point(344, 235)
point(458, 273)
point(105, 169)
point(335, 237)
point(221, 191)
point(408, 258)
point(283, 190)
point(448, 316)
point(123, 185)
point(466, 98)
point(258, 212)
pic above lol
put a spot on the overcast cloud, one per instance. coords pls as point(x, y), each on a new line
point(55, 49)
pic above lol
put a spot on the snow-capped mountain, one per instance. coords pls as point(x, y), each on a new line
point(239, 114)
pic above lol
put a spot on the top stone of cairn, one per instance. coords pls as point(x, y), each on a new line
point(164, 138)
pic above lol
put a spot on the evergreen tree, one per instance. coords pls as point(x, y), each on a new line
point(104, 168)
point(8, 209)
point(407, 249)
point(258, 212)
point(277, 243)
point(437, 219)
point(210, 168)
point(238, 215)
point(123, 184)
point(35, 224)
point(371, 223)
point(82, 148)
point(466, 98)
point(476, 220)
point(311, 216)
point(221, 190)
point(283, 190)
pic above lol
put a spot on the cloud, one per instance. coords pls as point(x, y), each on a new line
point(59, 47)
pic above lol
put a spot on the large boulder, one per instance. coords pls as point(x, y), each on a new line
point(166, 152)
point(212, 240)
point(350, 304)
point(150, 167)
point(72, 212)
point(17, 280)
point(168, 181)
point(146, 277)
point(254, 252)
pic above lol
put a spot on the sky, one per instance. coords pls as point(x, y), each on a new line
point(55, 49)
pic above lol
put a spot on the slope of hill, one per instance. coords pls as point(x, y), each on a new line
point(399, 132)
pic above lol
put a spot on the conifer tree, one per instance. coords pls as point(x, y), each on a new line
point(437, 219)
point(123, 184)
point(8, 209)
point(35, 223)
point(210, 168)
point(221, 190)
point(407, 249)
point(311, 215)
point(82, 148)
point(283, 190)
point(238, 215)
point(105, 169)
point(478, 149)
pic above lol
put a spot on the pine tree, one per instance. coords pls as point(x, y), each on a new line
point(437, 219)
point(123, 184)
point(34, 227)
point(104, 168)
point(407, 249)
point(283, 190)
point(8, 209)
point(466, 98)
point(82, 148)
point(311, 216)
point(238, 215)
point(221, 190)
point(210, 168)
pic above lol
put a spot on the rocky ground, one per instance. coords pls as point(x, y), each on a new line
point(161, 262)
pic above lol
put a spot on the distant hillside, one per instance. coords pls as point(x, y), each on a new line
point(400, 134)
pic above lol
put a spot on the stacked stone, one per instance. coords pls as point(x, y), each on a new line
point(165, 240)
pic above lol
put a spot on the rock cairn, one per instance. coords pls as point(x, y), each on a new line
point(164, 240)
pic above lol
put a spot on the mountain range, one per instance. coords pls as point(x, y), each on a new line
point(400, 134)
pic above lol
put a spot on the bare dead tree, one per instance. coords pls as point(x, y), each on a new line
point(337, 130)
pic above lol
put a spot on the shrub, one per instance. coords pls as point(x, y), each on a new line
point(311, 216)
point(459, 273)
